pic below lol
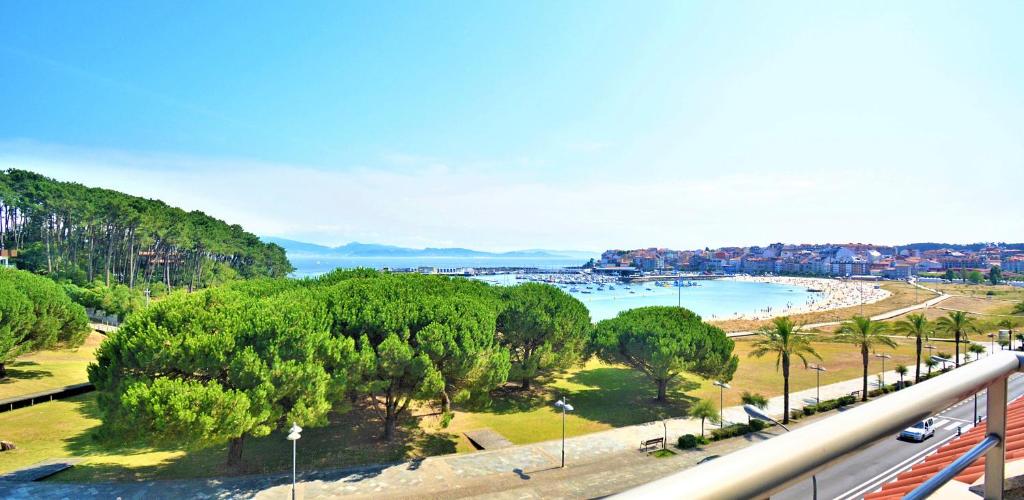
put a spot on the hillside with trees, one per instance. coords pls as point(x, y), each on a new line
point(82, 234)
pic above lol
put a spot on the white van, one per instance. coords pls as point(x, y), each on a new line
point(919, 431)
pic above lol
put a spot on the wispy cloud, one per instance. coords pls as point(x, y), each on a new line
point(425, 202)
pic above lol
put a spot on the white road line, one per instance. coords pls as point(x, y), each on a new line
point(879, 480)
point(952, 426)
point(893, 471)
point(940, 421)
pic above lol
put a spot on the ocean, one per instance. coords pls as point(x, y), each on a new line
point(712, 299)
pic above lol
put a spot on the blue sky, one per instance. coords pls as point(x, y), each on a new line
point(503, 125)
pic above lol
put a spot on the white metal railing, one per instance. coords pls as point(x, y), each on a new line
point(772, 466)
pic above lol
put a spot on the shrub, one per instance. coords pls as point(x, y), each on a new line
point(757, 425)
point(795, 414)
point(847, 400)
point(810, 410)
point(729, 431)
point(827, 405)
point(689, 441)
point(446, 419)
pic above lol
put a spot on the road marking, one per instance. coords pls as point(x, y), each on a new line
point(952, 426)
point(893, 471)
point(879, 480)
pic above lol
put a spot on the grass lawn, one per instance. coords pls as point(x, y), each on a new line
point(607, 396)
point(43, 370)
point(759, 375)
point(903, 295)
point(69, 428)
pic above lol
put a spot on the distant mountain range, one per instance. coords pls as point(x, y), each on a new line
point(354, 249)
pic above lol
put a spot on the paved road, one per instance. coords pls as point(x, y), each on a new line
point(868, 470)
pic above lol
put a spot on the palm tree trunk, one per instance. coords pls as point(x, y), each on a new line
point(785, 388)
point(864, 386)
point(956, 357)
point(917, 373)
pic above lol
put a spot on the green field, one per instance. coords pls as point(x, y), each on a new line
point(44, 370)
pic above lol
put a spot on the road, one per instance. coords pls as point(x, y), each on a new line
point(868, 470)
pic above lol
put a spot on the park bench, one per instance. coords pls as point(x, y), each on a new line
point(855, 394)
point(645, 445)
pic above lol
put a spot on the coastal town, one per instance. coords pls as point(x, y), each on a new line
point(834, 260)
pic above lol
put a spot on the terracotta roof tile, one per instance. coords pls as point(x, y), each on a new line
point(908, 480)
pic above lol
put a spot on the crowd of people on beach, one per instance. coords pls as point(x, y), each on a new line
point(827, 294)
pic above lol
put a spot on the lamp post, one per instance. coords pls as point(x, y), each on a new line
point(566, 407)
point(294, 436)
point(817, 381)
point(942, 360)
point(992, 343)
point(883, 357)
point(931, 350)
point(722, 386)
point(755, 412)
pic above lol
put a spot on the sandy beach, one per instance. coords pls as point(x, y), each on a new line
point(834, 294)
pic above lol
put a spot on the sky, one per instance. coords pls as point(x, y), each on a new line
point(513, 125)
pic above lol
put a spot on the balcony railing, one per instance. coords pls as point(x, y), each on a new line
point(772, 466)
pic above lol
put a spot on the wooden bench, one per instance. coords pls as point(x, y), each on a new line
point(645, 445)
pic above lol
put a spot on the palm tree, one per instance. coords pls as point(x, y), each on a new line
point(902, 370)
point(916, 325)
point(930, 363)
point(1009, 325)
point(957, 324)
point(704, 410)
point(866, 334)
point(976, 349)
point(783, 339)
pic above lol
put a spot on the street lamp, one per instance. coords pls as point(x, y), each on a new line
point(722, 386)
point(817, 381)
point(566, 407)
point(755, 412)
point(294, 436)
point(931, 350)
point(942, 360)
point(884, 357)
point(992, 345)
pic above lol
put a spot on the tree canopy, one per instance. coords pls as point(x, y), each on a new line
point(68, 230)
point(35, 313)
point(222, 364)
point(663, 342)
point(419, 337)
point(544, 329)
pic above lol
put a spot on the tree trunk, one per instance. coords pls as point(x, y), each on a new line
point(390, 422)
point(662, 389)
point(235, 451)
point(956, 357)
point(785, 388)
point(526, 384)
point(864, 387)
point(446, 402)
point(3, 371)
point(917, 373)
